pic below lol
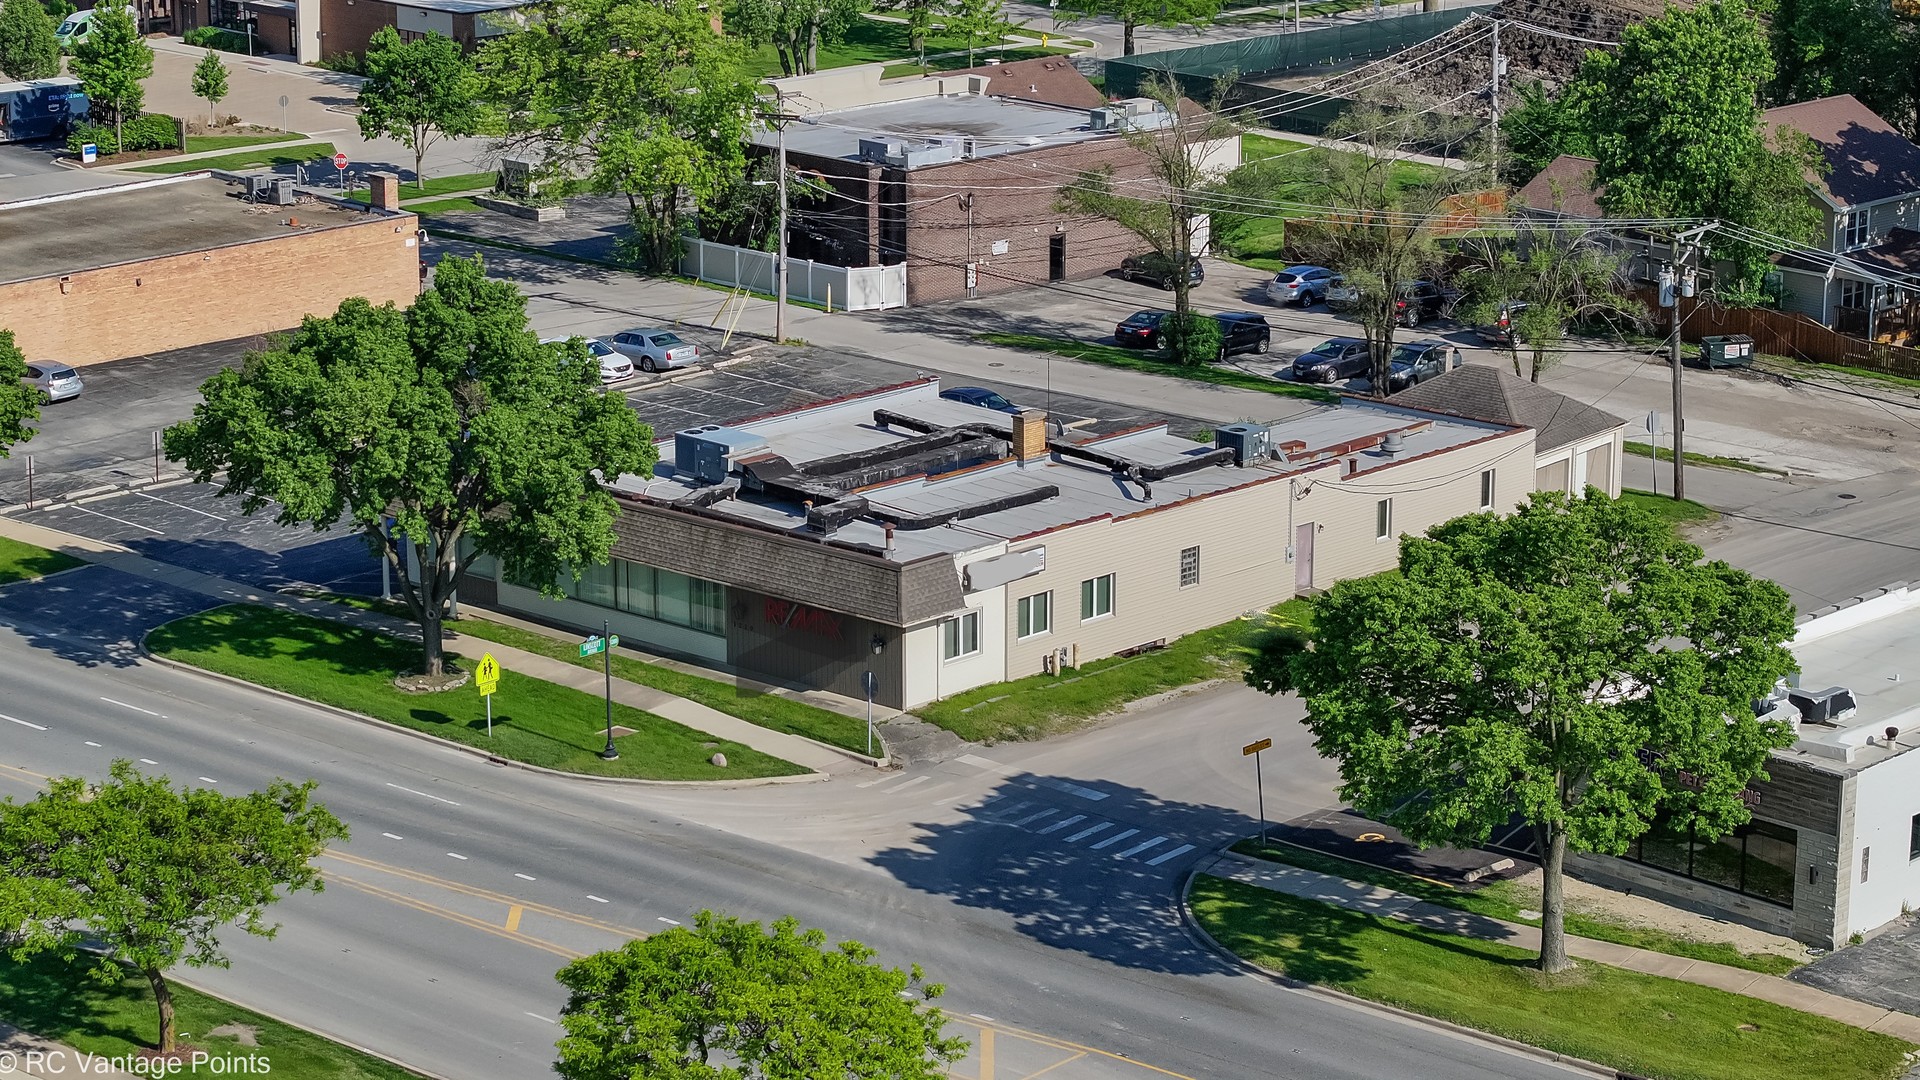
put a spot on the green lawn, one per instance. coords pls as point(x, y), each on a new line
point(536, 722)
point(1638, 1023)
point(767, 710)
point(443, 206)
point(1139, 360)
point(1665, 453)
point(435, 185)
point(56, 999)
point(1042, 705)
point(1506, 900)
point(954, 63)
point(1677, 511)
point(197, 144)
point(871, 41)
point(1260, 241)
point(1285, 12)
point(1787, 367)
point(19, 562)
point(245, 159)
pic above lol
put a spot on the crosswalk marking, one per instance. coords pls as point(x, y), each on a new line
point(1089, 831)
point(1115, 838)
point(870, 783)
point(1138, 848)
point(1174, 854)
point(1007, 812)
point(1070, 788)
point(897, 789)
point(1063, 823)
point(1031, 818)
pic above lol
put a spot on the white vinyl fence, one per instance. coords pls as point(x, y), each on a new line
point(861, 288)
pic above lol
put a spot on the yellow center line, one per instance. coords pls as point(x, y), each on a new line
point(513, 918)
point(985, 1048)
point(25, 774)
point(484, 894)
point(456, 917)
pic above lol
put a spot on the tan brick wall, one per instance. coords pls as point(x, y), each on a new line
point(212, 295)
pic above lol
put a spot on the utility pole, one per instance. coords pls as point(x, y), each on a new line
point(1676, 283)
point(780, 256)
point(1499, 65)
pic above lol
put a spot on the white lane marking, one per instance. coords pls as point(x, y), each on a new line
point(526, 877)
point(423, 794)
point(182, 506)
point(1031, 818)
point(1089, 831)
point(456, 855)
point(988, 764)
point(982, 1016)
point(664, 919)
point(208, 780)
point(1174, 854)
point(148, 761)
point(1086, 793)
point(393, 836)
point(598, 899)
point(110, 517)
point(1063, 823)
point(135, 708)
point(91, 743)
point(1138, 848)
point(542, 1019)
point(22, 723)
point(915, 782)
point(1115, 838)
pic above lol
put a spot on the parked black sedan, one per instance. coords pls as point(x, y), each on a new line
point(1141, 330)
point(1333, 360)
point(1418, 361)
point(1157, 269)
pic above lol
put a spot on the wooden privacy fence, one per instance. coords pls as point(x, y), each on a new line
point(1789, 334)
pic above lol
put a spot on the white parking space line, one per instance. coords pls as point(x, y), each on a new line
point(110, 517)
point(182, 506)
point(135, 708)
point(1063, 823)
point(1115, 838)
point(1138, 848)
point(1174, 854)
point(1089, 831)
point(1031, 818)
point(898, 788)
point(22, 723)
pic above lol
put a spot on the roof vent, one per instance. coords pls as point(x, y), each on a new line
point(1394, 443)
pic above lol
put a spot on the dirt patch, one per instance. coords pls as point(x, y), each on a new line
point(432, 684)
point(1628, 910)
point(244, 1034)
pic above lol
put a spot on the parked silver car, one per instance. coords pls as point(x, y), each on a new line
point(655, 350)
point(613, 366)
point(1303, 285)
point(55, 382)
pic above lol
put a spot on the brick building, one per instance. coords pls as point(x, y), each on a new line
point(184, 260)
point(310, 30)
point(957, 175)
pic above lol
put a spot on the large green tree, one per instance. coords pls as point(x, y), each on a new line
point(1575, 664)
point(631, 98)
point(449, 417)
point(1133, 14)
point(146, 875)
point(1540, 127)
point(27, 47)
point(419, 92)
point(1858, 47)
point(19, 404)
point(111, 65)
point(728, 1000)
point(1543, 280)
point(796, 28)
point(1673, 116)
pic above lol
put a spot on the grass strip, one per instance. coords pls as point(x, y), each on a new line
point(442, 206)
point(199, 144)
point(1665, 453)
point(435, 185)
point(1675, 511)
point(1506, 900)
point(1133, 360)
point(539, 723)
point(1643, 1024)
point(244, 159)
point(1042, 705)
point(23, 562)
point(56, 999)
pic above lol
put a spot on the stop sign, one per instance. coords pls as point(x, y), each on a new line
point(339, 161)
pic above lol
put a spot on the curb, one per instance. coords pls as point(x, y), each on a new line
point(491, 759)
point(1206, 940)
point(316, 1032)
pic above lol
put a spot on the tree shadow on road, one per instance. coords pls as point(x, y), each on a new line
point(95, 615)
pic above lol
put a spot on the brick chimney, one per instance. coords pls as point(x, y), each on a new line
point(1029, 434)
point(386, 190)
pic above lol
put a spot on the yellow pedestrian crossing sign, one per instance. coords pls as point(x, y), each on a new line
point(487, 678)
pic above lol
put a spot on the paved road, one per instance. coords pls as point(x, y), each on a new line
point(466, 885)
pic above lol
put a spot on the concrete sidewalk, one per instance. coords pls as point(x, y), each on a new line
point(1388, 904)
point(26, 1054)
point(802, 752)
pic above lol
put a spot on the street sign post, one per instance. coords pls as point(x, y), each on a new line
point(487, 678)
point(594, 646)
point(872, 683)
point(284, 102)
point(340, 166)
point(603, 646)
point(1252, 750)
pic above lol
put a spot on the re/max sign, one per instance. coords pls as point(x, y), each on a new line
point(812, 620)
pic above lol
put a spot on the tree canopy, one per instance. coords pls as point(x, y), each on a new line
point(149, 874)
point(637, 99)
point(1542, 280)
point(450, 417)
point(728, 1000)
point(1574, 664)
point(28, 50)
point(111, 64)
point(418, 92)
point(210, 81)
point(796, 28)
point(19, 404)
point(1133, 14)
point(1858, 47)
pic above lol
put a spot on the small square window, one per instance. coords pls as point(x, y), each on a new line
point(1189, 566)
point(961, 636)
point(1096, 597)
point(1383, 519)
point(1035, 614)
point(1486, 489)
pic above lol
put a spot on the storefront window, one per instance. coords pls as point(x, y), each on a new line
point(650, 593)
point(1756, 859)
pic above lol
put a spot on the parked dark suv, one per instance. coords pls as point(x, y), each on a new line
point(1418, 301)
point(1157, 269)
point(1418, 361)
point(1243, 331)
point(1333, 360)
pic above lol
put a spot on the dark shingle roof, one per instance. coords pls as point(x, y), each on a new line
point(1565, 186)
point(1487, 393)
point(1869, 160)
point(1044, 80)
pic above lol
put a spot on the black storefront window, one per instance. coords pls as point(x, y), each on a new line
point(1756, 859)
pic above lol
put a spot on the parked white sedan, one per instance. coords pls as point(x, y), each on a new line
point(613, 366)
point(655, 350)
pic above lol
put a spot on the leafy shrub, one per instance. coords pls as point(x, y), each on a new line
point(1194, 339)
point(149, 131)
point(345, 63)
point(214, 37)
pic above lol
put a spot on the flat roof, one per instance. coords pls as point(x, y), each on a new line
point(1868, 651)
point(109, 226)
point(1003, 125)
point(1006, 500)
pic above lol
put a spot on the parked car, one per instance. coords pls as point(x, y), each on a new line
point(1303, 285)
point(1418, 361)
point(54, 382)
point(1339, 294)
point(981, 396)
point(613, 366)
point(655, 350)
point(1503, 331)
point(1243, 331)
point(1332, 360)
point(1418, 301)
point(1141, 330)
point(1154, 268)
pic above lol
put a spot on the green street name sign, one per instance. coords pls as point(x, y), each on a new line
point(596, 645)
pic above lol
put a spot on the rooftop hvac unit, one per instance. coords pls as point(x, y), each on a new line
point(259, 187)
point(878, 151)
point(1250, 443)
point(283, 193)
point(1828, 706)
point(708, 453)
